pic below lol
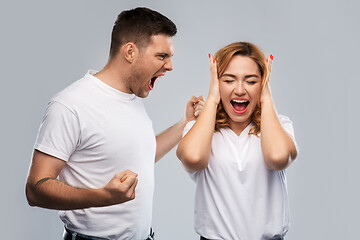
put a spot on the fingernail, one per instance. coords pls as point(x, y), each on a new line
point(214, 60)
point(266, 60)
point(271, 57)
point(209, 55)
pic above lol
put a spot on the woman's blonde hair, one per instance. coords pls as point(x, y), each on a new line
point(223, 58)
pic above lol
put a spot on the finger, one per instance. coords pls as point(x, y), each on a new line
point(123, 175)
point(132, 189)
point(197, 113)
point(132, 195)
point(266, 82)
point(271, 57)
point(269, 62)
point(120, 175)
point(210, 58)
point(123, 178)
point(129, 180)
point(193, 100)
point(198, 107)
point(201, 103)
point(127, 171)
point(201, 100)
point(213, 68)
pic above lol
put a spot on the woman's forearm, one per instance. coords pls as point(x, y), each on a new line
point(277, 146)
point(194, 148)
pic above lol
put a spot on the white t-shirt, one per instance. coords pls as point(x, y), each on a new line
point(100, 131)
point(237, 197)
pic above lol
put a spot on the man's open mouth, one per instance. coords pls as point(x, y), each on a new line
point(152, 82)
point(239, 106)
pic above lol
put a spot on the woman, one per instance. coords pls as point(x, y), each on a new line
point(238, 149)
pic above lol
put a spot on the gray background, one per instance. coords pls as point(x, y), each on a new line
point(46, 45)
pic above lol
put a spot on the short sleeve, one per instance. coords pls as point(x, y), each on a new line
point(188, 126)
point(59, 132)
point(287, 124)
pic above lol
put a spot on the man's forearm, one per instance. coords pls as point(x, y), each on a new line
point(54, 194)
point(168, 139)
point(43, 189)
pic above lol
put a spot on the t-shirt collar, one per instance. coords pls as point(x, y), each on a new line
point(116, 93)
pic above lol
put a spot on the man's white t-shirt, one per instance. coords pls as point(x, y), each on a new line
point(237, 197)
point(100, 131)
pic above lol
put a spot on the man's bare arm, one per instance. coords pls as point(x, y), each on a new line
point(43, 189)
point(168, 139)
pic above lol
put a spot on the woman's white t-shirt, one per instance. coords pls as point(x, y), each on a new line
point(237, 197)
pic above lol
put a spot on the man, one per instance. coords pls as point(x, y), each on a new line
point(97, 138)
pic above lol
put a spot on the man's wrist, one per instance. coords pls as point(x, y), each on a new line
point(102, 197)
point(182, 123)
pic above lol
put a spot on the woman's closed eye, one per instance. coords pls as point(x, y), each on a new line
point(251, 82)
point(228, 80)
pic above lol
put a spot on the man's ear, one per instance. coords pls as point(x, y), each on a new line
point(130, 51)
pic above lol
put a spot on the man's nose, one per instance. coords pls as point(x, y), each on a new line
point(168, 65)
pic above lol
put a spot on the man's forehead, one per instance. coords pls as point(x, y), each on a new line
point(162, 43)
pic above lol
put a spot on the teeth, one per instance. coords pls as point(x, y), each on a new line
point(239, 101)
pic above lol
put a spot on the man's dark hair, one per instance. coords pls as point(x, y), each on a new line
point(138, 25)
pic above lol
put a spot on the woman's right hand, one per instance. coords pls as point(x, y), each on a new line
point(214, 92)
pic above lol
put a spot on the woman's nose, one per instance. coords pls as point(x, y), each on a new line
point(240, 88)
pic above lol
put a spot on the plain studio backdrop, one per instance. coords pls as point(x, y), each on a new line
point(47, 45)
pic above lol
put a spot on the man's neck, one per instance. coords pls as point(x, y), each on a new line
point(113, 77)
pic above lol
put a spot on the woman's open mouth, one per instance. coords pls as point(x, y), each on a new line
point(239, 105)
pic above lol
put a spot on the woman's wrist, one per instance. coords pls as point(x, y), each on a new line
point(266, 99)
point(213, 100)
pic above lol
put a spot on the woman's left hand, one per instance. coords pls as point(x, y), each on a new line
point(266, 93)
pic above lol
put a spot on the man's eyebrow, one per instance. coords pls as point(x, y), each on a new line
point(163, 54)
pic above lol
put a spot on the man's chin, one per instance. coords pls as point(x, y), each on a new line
point(143, 94)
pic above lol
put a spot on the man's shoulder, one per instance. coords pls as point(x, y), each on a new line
point(77, 89)
point(76, 92)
